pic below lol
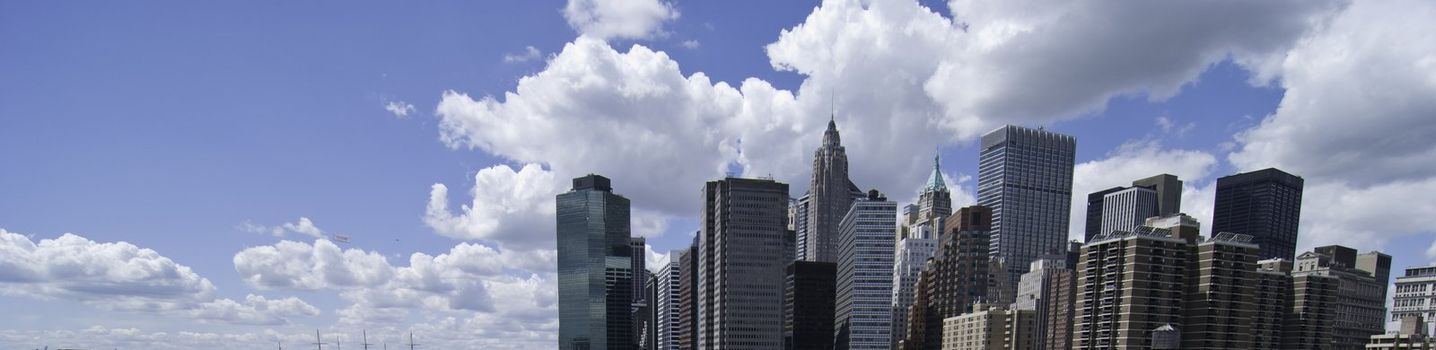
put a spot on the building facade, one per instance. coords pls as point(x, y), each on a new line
point(1166, 200)
point(687, 337)
point(1219, 308)
point(989, 328)
point(666, 302)
point(1046, 290)
point(917, 240)
point(1272, 293)
point(955, 278)
point(1415, 295)
point(865, 264)
point(808, 304)
point(1025, 177)
point(1360, 308)
point(1264, 204)
point(594, 267)
point(1128, 284)
point(740, 264)
point(1126, 209)
point(829, 195)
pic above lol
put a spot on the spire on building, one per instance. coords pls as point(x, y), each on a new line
point(830, 137)
point(934, 181)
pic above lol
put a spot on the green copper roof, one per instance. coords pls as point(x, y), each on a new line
point(934, 181)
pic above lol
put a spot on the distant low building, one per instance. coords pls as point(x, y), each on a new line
point(1410, 335)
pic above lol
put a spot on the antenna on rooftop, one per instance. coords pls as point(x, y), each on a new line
point(366, 340)
point(411, 341)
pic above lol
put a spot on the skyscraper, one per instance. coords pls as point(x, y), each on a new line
point(1165, 199)
point(1126, 209)
point(1094, 212)
point(865, 261)
point(1264, 204)
point(594, 267)
point(829, 195)
point(917, 242)
point(740, 264)
point(687, 338)
point(1025, 177)
point(808, 299)
point(666, 302)
point(1169, 192)
point(638, 253)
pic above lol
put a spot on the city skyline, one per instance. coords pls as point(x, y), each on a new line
point(179, 172)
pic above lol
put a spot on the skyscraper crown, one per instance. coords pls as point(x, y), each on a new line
point(934, 181)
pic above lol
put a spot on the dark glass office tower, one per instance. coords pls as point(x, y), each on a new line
point(1025, 177)
point(740, 264)
point(595, 273)
point(808, 304)
point(1264, 204)
point(638, 253)
point(1094, 212)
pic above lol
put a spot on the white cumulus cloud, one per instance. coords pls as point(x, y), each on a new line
point(619, 19)
point(402, 109)
point(513, 208)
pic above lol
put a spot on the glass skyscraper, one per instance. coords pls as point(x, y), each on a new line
point(1025, 177)
point(1264, 204)
point(594, 268)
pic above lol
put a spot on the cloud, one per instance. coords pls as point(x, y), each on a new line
point(1358, 94)
point(110, 274)
point(298, 265)
point(402, 109)
point(122, 276)
point(530, 53)
point(255, 310)
point(469, 278)
point(1431, 252)
point(690, 44)
point(304, 226)
point(512, 208)
point(1132, 161)
point(1024, 62)
point(1365, 217)
point(619, 19)
point(1355, 122)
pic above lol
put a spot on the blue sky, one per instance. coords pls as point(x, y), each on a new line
point(174, 139)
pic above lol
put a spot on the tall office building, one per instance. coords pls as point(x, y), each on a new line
point(1265, 204)
point(1126, 209)
point(808, 304)
point(865, 264)
point(1165, 199)
point(829, 195)
point(666, 304)
point(1360, 308)
point(1025, 177)
point(1128, 284)
point(638, 254)
point(1047, 290)
point(740, 264)
point(594, 267)
point(955, 278)
point(1416, 296)
point(1169, 192)
point(1094, 212)
point(687, 337)
point(917, 240)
